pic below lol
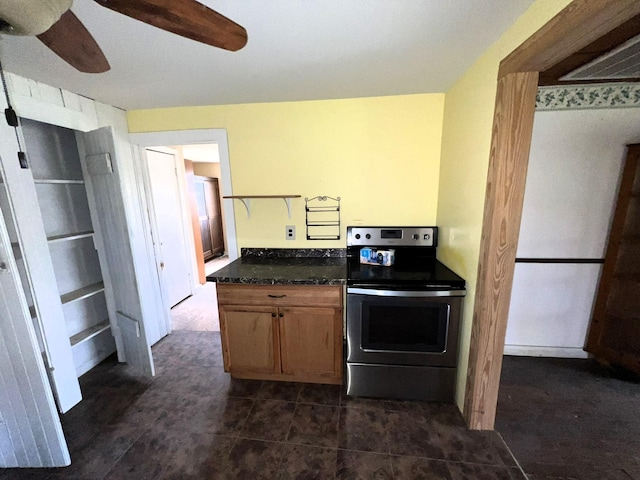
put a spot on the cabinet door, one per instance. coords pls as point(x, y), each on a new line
point(250, 339)
point(311, 342)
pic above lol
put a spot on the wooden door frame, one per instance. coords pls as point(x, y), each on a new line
point(575, 27)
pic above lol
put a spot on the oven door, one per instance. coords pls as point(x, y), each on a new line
point(392, 327)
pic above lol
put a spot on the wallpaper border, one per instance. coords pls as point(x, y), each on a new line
point(577, 97)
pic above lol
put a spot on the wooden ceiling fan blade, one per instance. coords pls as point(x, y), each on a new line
point(187, 18)
point(71, 41)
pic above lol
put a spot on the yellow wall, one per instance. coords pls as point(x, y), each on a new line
point(380, 155)
point(414, 159)
point(466, 140)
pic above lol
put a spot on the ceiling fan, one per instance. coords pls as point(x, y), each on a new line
point(58, 28)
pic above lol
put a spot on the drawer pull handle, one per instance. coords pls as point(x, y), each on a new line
point(276, 296)
point(273, 315)
point(281, 315)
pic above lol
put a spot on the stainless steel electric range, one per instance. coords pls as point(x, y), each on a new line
point(403, 320)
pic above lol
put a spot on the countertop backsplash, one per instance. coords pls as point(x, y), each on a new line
point(293, 252)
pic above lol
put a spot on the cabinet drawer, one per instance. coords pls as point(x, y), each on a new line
point(280, 295)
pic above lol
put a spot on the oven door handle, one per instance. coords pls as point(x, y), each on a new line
point(405, 293)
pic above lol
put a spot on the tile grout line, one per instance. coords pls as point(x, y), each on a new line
point(106, 474)
point(286, 437)
point(512, 455)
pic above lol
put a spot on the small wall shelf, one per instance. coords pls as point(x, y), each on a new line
point(246, 200)
point(53, 181)
point(89, 333)
point(68, 237)
point(323, 218)
point(82, 293)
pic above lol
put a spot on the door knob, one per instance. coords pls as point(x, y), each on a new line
point(3, 267)
point(161, 265)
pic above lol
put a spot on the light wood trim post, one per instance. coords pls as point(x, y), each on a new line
point(509, 157)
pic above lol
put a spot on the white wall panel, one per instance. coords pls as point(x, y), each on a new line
point(572, 181)
point(551, 306)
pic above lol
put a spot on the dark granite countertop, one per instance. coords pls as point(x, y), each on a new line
point(284, 266)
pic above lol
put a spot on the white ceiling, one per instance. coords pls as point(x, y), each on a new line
point(201, 152)
point(297, 50)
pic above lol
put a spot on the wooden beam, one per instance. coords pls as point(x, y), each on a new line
point(604, 44)
point(575, 27)
point(579, 24)
point(509, 157)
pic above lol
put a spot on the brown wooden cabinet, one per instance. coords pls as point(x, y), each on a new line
point(252, 334)
point(209, 216)
point(291, 333)
point(614, 333)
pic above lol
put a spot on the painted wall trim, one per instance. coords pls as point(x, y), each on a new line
point(533, 351)
point(583, 97)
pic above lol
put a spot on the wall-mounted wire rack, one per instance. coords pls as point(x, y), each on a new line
point(323, 218)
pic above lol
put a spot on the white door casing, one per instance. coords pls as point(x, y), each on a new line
point(167, 216)
point(30, 430)
point(218, 136)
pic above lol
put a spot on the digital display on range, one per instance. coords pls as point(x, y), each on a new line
point(396, 233)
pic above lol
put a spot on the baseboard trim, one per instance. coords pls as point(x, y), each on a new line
point(533, 351)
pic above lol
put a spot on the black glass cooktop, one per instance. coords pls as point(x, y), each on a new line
point(407, 272)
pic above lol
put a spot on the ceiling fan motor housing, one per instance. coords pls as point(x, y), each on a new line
point(31, 17)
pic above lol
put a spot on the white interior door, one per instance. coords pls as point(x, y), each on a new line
point(24, 223)
point(169, 221)
point(30, 430)
point(113, 241)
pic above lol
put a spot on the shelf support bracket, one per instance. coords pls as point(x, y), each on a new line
point(287, 201)
point(246, 200)
point(247, 204)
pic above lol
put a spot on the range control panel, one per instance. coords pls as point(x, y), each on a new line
point(392, 236)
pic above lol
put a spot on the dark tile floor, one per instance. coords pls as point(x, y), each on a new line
point(194, 422)
point(570, 419)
